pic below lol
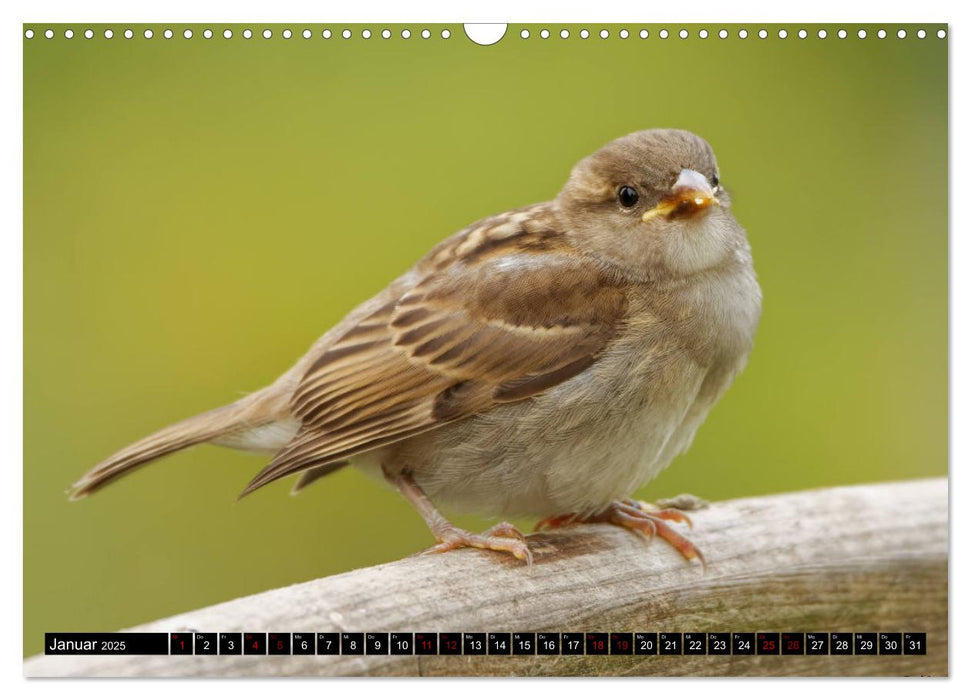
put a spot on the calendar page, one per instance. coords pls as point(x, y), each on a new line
point(602, 349)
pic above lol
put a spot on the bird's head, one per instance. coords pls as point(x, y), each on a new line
point(651, 203)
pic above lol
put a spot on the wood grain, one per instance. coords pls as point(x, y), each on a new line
point(864, 558)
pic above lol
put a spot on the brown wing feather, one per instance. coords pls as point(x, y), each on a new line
point(492, 323)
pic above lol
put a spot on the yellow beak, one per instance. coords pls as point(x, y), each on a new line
point(691, 194)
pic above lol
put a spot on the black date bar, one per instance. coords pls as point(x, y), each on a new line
point(106, 643)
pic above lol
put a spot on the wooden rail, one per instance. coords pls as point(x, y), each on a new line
point(864, 558)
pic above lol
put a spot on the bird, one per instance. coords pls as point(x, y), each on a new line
point(545, 362)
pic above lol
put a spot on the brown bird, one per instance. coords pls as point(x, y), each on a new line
point(543, 362)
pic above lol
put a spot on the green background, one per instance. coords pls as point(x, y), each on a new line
point(197, 212)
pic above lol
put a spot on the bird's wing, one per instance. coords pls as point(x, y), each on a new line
point(477, 330)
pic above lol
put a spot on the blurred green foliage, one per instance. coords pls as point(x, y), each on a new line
point(198, 211)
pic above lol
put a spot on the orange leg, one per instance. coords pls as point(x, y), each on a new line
point(500, 538)
point(640, 517)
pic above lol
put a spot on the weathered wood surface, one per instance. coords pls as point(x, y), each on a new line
point(865, 558)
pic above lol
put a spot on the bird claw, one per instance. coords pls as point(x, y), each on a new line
point(506, 530)
point(665, 513)
point(644, 518)
point(503, 537)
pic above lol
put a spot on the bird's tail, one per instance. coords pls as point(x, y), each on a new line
point(259, 408)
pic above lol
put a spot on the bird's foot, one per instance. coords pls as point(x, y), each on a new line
point(499, 538)
point(503, 537)
point(645, 518)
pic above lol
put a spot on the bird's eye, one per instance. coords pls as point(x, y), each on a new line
point(627, 196)
point(714, 180)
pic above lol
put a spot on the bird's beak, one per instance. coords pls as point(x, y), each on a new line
point(690, 195)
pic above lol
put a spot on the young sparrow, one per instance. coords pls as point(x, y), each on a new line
point(543, 362)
